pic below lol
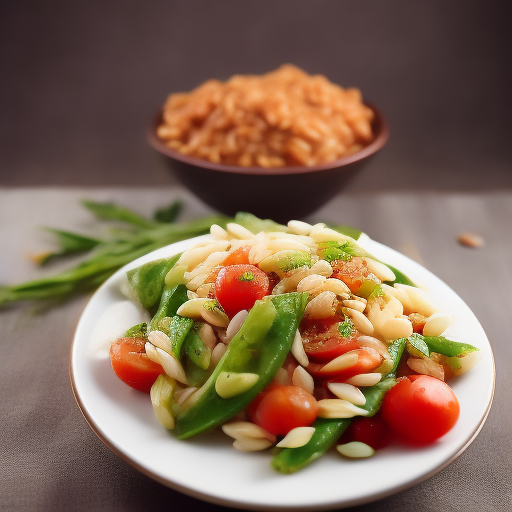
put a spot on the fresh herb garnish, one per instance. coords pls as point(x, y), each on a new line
point(346, 328)
point(332, 251)
point(247, 276)
point(295, 260)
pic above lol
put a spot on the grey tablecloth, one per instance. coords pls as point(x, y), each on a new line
point(51, 460)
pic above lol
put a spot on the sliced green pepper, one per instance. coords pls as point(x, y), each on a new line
point(148, 281)
point(259, 347)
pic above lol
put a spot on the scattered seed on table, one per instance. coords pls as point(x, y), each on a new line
point(470, 239)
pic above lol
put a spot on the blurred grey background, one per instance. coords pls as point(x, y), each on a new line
point(81, 81)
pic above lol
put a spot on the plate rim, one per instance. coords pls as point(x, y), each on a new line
point(232, 503)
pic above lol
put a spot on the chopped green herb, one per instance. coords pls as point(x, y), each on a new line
point(332, 251)
point(247, 276)
point(295, 260)
point(211, 304)
point(346, 328)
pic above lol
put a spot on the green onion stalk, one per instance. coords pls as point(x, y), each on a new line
point(131, 237)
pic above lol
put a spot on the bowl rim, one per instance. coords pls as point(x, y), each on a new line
point(381, 137)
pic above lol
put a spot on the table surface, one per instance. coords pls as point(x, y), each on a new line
point(51, 459)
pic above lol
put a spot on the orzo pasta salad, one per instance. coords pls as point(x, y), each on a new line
point(290, 336)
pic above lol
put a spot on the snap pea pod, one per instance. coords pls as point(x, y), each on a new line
point(179, 329)
point(259, 347)
point(137, 331)
point(196, 350)
point(327, 432)
point(148, 281)
point(448, 348)
point(400, 277)
point(396, 350)
point(172, 298)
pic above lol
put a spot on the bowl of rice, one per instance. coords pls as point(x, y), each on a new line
point(278, 145)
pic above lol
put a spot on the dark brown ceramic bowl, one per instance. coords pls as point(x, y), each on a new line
point(279, 193)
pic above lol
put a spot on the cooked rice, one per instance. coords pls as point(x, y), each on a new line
point(283, 118)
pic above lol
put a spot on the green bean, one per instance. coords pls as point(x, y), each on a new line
point(260, 347)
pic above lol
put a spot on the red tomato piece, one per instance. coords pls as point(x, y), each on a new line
point(352, 272)
point(420, 408)
point(372, 431)
point(238, 287)
point(323, 341)
point(366, 362)
point(238, 257)
point(212, 276)
point(281, 409)
point(131, 364)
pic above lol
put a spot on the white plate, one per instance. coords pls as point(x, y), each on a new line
point(209, 468)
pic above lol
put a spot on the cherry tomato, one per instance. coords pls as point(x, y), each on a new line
point(323, 341)
point(372, 431)
point(131, 364)
point(238, 257)
point(367, 360)
point(352, 272)
point(238, 287)
point(420, 408)
point(283, 408)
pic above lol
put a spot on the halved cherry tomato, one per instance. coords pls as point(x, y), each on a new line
point(323, 341)
point(372, 431)
point(131, 364)
point(238, 257)
point(367, 360)
point(420, 408)
point(352, 272)
point(283, 408)
point(238, 287)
